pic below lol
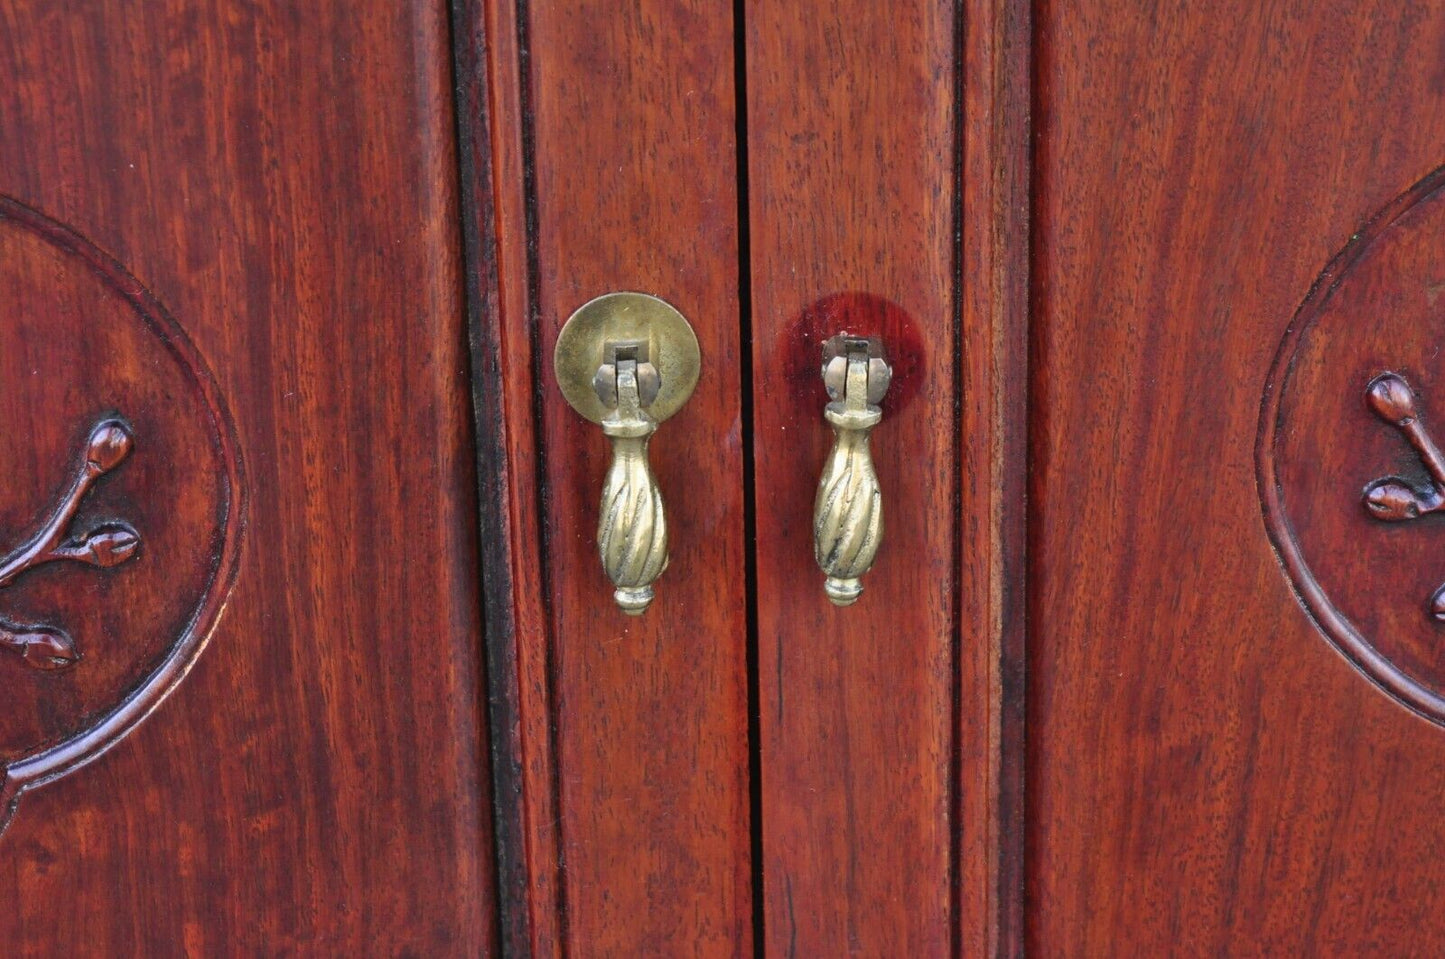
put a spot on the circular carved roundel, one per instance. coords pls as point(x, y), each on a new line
point(1350, 471)
point(120, 503)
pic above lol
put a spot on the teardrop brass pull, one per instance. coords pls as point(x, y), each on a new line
point(848, 513)
point(628, 361)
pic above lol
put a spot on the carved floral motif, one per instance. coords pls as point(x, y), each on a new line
point(103, 546)
point(1393, 499)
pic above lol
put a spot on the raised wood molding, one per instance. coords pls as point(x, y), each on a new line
point(997, 71)
point(497, 224)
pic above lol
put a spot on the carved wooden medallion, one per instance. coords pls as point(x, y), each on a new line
point(120, 507)
point(1349, 474)
point(109, 544)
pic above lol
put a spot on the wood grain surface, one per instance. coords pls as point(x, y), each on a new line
point(995, 139)
point(1207, 774)
point(609, 164)
point(124, 504)
point(282, 177)
point(852, 196)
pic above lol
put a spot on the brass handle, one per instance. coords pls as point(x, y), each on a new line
point(848, 512)
point(631, 526)
point(628, 361)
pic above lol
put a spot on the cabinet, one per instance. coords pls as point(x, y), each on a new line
point(1148, 663)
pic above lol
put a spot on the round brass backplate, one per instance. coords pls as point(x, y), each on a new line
point(616, 317)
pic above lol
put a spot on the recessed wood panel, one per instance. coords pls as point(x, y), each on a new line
point(1348, 461)
point(123, 507)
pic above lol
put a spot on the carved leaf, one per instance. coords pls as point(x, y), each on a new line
point(1392, 399)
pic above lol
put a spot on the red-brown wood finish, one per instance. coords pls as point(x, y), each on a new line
point(123, 505)
point(1207, 774)
point(996, 71)
point(281, 176)
point(629, 736)
point(852, 158)
point(495, 185)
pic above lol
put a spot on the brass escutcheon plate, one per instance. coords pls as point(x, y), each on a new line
point(614, 317)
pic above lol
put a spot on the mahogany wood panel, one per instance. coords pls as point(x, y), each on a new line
point(282, 177)
point(1207, 774)
point(852, 161)
point(607, 162)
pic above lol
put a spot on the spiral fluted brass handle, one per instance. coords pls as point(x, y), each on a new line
point(631, 526)
point(848, 512)
point(628, 361)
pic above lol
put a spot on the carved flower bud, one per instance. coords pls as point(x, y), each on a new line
point(1392, 399)
point(110, 443)
point(1392, 500)
point(44, 648)
point(110, 545)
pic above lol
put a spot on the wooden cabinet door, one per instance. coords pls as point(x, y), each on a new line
point(878, 763)
point(1234, 670)
point(600, 156)
point(234, 414)
point(745, 767)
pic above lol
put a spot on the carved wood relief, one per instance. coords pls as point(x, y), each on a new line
point(1351, 479)
point(121, 511)
point(1393, 498)
point(106, 545)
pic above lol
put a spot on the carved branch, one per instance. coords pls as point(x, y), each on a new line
point(106, 545)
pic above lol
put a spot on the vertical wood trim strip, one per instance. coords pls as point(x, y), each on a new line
point(995, 237)
point(631, 107)
point(852, 149)
point(499, 231)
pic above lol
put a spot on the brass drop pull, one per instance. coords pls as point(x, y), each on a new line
point(628, 361)
point(848, 513)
